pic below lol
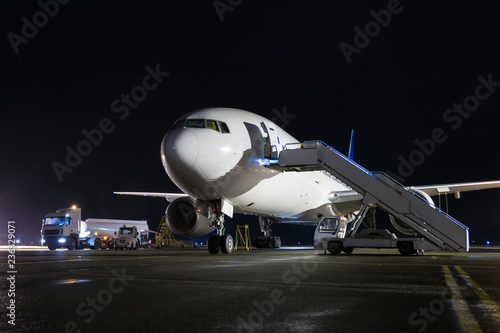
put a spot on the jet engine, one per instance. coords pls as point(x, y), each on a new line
point(403, 227)
point(184, 220)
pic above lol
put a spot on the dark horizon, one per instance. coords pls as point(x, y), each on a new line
point(418, 82)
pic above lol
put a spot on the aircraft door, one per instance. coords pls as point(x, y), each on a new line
point(273, 145)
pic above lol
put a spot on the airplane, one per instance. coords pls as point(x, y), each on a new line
point(219, 158)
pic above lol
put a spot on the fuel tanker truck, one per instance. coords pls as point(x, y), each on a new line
point(66, 229)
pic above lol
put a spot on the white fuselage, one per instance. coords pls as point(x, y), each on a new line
point(219, 153)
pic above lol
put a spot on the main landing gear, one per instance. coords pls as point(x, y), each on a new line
point(222, 242)
point(266, 241)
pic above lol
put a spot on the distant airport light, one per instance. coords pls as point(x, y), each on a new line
point(487, 242)
point(18, 241)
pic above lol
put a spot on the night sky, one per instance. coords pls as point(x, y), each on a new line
point(310, 65)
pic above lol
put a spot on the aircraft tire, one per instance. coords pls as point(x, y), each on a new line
point(275, 242)
point(213, 244)
point(258, 242)
point(226, 244)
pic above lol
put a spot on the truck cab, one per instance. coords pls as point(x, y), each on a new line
point(128, 238)
point(62, 228)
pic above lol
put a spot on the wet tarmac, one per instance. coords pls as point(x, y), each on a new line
point(286, 290)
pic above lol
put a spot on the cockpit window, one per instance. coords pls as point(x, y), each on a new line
point(218, 126)
point(213, 125)
point(200, 123)
point(223, 127)
point(178, 123)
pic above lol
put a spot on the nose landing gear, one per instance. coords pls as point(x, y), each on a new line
point(220, 242)
point(224, 243)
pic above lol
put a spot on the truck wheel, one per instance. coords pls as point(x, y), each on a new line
point(97, 244)
point(348, 250)
point(335, 247)
point(406, 248)
point(52, 246)
point(71, 244)
point(136, 245)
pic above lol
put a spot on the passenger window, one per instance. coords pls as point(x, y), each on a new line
point(195, 123)
point(223, 127)
point(213, 125)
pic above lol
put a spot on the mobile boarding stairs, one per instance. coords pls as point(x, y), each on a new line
point(378, 189)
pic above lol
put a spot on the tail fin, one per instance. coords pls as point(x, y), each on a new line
point(351, 146)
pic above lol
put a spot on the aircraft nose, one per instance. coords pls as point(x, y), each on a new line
point(180, 149)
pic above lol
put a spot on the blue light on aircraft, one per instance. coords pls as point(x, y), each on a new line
point(265, 161)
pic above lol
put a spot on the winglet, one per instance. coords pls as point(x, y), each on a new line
point(351, 146)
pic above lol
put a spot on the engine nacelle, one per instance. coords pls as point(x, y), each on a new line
point(403, 227)
point(184, 220)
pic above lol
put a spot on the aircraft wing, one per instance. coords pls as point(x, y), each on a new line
point(456, 188)
point(344, 199)
point(169, 196)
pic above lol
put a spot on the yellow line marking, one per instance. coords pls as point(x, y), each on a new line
point(487, 302)
point(466, 319)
